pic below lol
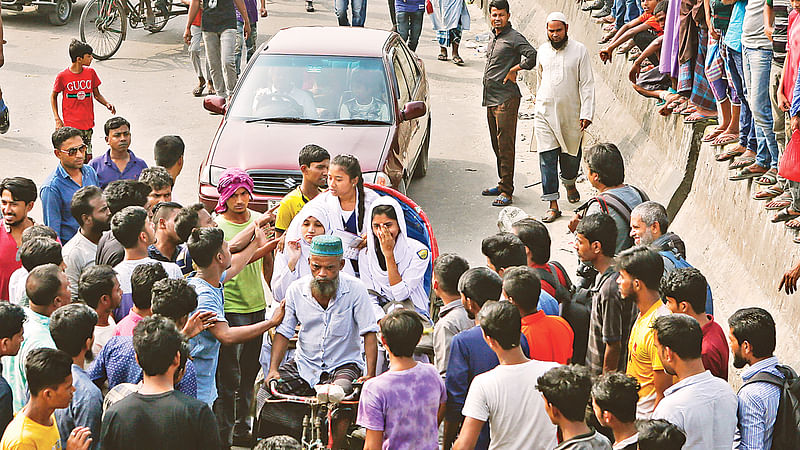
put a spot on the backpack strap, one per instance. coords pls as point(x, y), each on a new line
point(556, 268)
point(765, 377)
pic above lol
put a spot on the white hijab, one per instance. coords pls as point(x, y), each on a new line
point(294, 231)
point(335, 212)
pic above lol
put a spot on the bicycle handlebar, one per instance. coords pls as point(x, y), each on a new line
point(273, 389)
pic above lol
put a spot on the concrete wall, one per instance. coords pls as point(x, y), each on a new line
point(728, 235)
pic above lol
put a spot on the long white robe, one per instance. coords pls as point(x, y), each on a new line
point(565, 95)
point(449, 15)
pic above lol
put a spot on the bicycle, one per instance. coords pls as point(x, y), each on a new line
point(104, 23)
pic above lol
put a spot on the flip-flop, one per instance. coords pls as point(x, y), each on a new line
point(742, 162)
point(501, 200)
point(779, 202)
point(198, 90)
point(745, 174)
point(792, 224)
point(491, 192)
point(768, 193)
point(725, 139)
point(442, 57)
point(573, 196)
point(784, 215)
point(768, 179)
point(458, 61)
point(697, 117)
point(729, 154)
point(551, 215)
point(711, 136)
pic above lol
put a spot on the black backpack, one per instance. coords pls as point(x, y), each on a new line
point(563, 291)
point(786, 433)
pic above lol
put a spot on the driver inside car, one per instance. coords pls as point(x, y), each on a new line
point(283, 98)
point(335, 312)
point(364, 105)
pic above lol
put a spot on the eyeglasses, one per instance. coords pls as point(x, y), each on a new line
point(72, 151)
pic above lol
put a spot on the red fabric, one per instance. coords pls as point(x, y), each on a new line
point(8, 260)
point(77, 102)
point(792, 55)
point(715, 349)
point(652, 22)
point(549, 337)
point(198, 20)
point(550, 289)
point(127, 324)
point(789, 166)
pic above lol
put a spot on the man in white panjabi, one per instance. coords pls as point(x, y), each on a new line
point(564, 108)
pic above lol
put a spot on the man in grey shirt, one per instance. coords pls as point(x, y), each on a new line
point(508, 52)
point(453, 319)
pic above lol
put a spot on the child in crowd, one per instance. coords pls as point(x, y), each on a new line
point(614, 398)
point(643, 30)
point(659, 435)
point(314, 162)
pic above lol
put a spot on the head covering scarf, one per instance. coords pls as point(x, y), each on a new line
point(229, 182)
point(294, 231)
point(557, 15)
point(402, 250)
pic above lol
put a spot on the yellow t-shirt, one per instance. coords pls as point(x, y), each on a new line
point(291, 204)
point(643, 358)
point(25, 434)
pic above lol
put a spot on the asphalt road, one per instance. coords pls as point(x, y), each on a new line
point(150, 81)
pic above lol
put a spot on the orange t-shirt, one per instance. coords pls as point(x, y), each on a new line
point(549, 337)
point(651, 20)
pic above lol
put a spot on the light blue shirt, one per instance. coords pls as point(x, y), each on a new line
point(56, 194)
point(36, 331)
point(548, 304)
point(733, 37)
point(795, 109)
point(329, 338)
point(758, 407)
point(85, 409)
point(205, 347)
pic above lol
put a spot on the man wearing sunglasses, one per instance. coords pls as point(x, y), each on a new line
point(70, 175)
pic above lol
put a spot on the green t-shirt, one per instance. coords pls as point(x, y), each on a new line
point(244, 293)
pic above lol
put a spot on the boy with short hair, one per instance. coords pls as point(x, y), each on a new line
point(614, 399)
point(314, 161)
point(49, 373)
point(11, 319)
point(168, 153)
point(566, 392)
point(659, 434)
point(394, 415)
point(80, 84)
point(99, 288)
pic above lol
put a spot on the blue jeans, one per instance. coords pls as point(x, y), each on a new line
point(250, 43)
point(409, 26)
point(359, 12)
point(548, 166)
point(735, 68)
point(625, 11)
point(757, 66)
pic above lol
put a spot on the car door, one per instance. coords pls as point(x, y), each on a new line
point(418, 92)
point(405, 129)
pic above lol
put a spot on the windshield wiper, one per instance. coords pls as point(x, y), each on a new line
point(283, 119)
point(353, 122)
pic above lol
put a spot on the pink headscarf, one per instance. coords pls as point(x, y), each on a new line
point(229, 182)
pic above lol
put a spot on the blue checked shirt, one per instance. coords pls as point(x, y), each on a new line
point(758, 408)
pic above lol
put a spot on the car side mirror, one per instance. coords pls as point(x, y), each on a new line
point(215, 104)
point(412, 110)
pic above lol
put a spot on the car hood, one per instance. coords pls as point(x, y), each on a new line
point(275, 146)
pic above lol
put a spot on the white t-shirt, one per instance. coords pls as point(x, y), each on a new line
point(507, 398)
point(16, 287)
point(103, 335)
point(125, 271)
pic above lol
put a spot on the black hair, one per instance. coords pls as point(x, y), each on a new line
point(174, 298)
point(114, 123)
point(143, 277)
point(658, 434)
point(156, 177)
point(599, 227)
point(312, 153)
point(71, 326)
point(352, 168)
point(38, 231)
point(162, 210)
point(187, 220)
point(617, 393)
point(756, 326)
point(606, 161)
point(80, 204)
point(499, 4)
point(480, 284)
point(568, 388)
point(43, 284)
point(168, 150)
point(156, 341)
point(123, 193)
point(536, 238)
point(11, 319)
point(661, 7)
point(524, 286)
point(79, 49)
point(681, 333)
point(401, 329)
point(504, 250)
point(94, 283)
point(22, 189)
point(204, 244)
point(448, 268)
point(39, 251)
point(642, 263)
point(128, 224)
point(502, 322)
point(382, 210)
point(688, 285)
point(62, 134)
point(46, 368)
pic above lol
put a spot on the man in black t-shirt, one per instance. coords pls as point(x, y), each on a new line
point(157, 416)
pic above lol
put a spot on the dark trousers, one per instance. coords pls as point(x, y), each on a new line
point(236, 373)
point(409, 27)
point(503, 133)
point(642, 40)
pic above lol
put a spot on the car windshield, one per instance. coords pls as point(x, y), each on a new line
point(314, 89)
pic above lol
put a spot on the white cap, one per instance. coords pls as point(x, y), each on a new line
point(557, 15)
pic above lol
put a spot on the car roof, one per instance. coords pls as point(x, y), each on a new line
point(329, 41)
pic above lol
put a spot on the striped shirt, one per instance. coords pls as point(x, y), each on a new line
point(758, 407)
point(780, 31)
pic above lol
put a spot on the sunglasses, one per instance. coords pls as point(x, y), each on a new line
point(72, 151)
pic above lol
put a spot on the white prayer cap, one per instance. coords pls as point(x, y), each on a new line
point(557, 15)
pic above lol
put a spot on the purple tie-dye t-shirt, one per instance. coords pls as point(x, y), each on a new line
point(403, 404)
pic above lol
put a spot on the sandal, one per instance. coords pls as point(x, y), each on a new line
point(792, 224)
point(309, 7)
point(458, 61)
point(713, 135)
point(442, 57)
point(748, 172)
point(785, 215)
point(768, 179)
point(780, 202)
point(491, 192)
point(502, 200)
point(573, 196)
point(768, 193)
point(697, 117)
point(551, 215)
point(198, 90)
point(725, 139)
point(688, 111)
point(730, 154)
point(742, 162)
point(681, 108)
point(796, 239)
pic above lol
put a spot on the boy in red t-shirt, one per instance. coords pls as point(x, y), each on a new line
point(644, 23)
point(80, 85)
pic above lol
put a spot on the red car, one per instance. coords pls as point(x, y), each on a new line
point(350, 90)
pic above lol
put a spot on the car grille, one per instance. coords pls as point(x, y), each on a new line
point(275, 182)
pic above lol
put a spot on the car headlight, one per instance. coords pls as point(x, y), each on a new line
point(211, 174)
point(378, 178)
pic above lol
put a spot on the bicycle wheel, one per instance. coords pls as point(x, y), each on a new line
point(162, 10)
point(103, 26)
